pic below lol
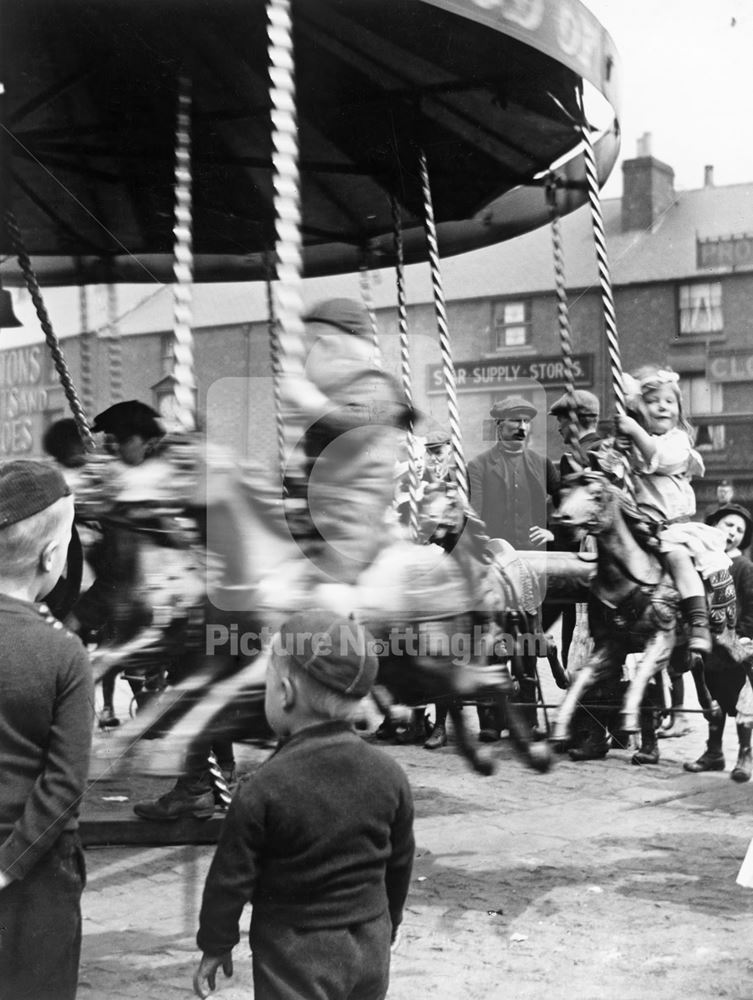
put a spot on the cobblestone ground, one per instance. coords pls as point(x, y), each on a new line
point(595, 880)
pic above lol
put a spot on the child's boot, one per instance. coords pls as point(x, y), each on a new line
point(712, 758)
point(696, 616)
point(744, 767)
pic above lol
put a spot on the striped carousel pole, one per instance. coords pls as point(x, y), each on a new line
point(405, 366)
point(605, 282)
point(602, 262)
point(563, 318)
point(53, 344)
point(368, 302)
point(288, 245)
point(184, 381)
point(85, 349)
point(114, 345)
point(448, 367)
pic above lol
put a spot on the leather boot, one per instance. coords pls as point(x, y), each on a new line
point(181, 801)
point(648, 752)
point(438, 737)
point(744, 767)
point(591, 748)
point(712, 759)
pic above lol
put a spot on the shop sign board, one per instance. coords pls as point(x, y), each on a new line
point(502, 373)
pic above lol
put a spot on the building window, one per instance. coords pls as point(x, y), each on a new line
point(703, 398)
point(166, 354)
point(701, 308)
point(511, 325)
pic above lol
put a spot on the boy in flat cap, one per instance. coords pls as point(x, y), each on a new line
point(46, 715)
point(319, 839)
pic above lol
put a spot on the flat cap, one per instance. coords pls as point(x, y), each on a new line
point(436, 436)
point(26, 488)
point(347, 314)
point(129, 417)
point(333, 650)
point(585, 403)
point(511, 405)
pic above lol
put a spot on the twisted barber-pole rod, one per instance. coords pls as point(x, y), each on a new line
point(85, 349)
point(602, 262)
point(448, 367)
point(61, 366)
point(368, 302)
point(563, 320)
point(184, 381)
point(405, 366)
point(274, 355)
point(218, 779)
point(114, 345)
point(605, 281)
point(288, 246)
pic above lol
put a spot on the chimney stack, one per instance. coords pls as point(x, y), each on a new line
point(708, 175)
point(648, 188)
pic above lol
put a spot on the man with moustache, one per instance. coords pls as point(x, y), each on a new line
point(510, 485)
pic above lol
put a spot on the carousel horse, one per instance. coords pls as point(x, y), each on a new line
point(438, 627)
point(634, 608)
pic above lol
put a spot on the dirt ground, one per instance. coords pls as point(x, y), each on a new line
point(596, 880)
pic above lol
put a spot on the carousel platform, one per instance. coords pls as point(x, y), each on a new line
point(107, 817)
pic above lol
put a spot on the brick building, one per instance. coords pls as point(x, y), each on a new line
point(682, 268)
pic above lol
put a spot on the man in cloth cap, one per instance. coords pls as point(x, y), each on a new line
point(46, 718)
point(510, 485)
point(577, 413)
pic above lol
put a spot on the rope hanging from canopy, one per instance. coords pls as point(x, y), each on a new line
point(53, 344)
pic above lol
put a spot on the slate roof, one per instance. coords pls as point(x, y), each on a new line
point(519, 267)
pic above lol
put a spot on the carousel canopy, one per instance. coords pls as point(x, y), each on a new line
point(487, 88)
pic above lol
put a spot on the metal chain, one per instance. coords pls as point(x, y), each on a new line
point(448, 367)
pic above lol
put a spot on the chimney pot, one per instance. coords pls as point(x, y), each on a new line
point(708, 175)
point(644, 145)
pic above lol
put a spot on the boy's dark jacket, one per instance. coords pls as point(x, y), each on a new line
point(46, 717)
point(320, 836)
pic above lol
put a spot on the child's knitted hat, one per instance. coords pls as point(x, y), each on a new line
point(335, 651)
point(26, 488)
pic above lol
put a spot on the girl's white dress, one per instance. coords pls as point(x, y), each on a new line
point(664, 492)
